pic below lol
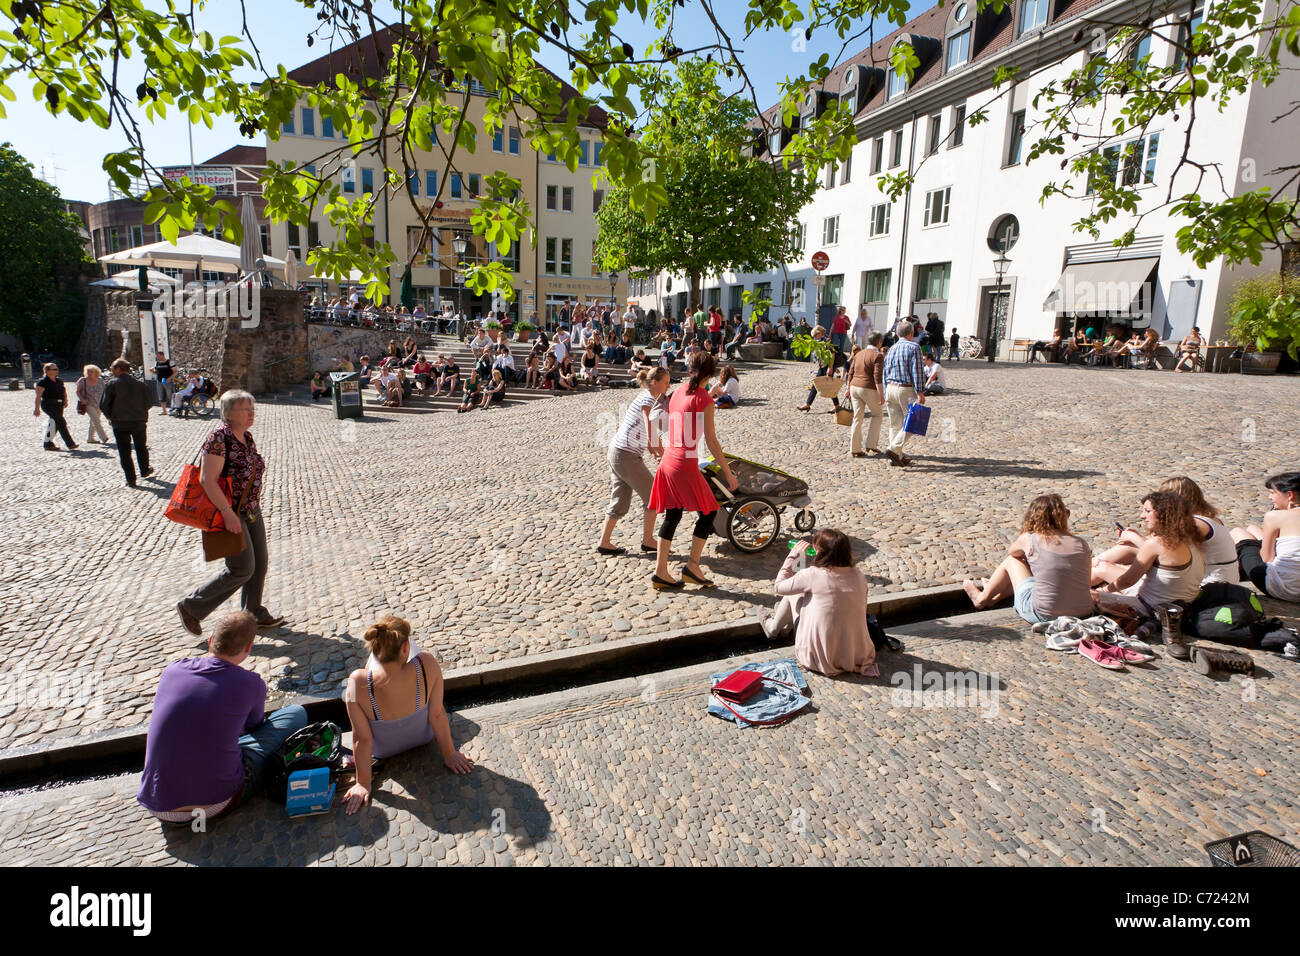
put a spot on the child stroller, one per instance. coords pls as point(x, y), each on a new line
point(750, 517)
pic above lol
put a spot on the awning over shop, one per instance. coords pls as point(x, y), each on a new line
point(1114, 286)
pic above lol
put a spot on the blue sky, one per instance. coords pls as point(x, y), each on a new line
point(69, 153)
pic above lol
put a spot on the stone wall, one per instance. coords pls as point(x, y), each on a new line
point(273, 354)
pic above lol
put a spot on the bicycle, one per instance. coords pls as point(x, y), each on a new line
point(970, 348)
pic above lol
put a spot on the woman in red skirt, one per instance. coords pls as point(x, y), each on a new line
point(678, 484)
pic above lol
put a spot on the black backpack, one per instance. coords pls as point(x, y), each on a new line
point(1227, 613)
point(316, 745)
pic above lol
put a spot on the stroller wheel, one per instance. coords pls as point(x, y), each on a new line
point(753, 524)
point(805, 520)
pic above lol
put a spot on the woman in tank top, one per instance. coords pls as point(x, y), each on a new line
point(1269, 555)
point(395, 705)
point(1168, 566)
point(1047, 569)
point(1216, 540)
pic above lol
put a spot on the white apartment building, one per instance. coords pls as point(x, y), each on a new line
point(933, 249)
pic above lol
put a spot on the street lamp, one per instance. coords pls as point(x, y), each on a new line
point(459, 246)
point(613, 278)
point(1000, 265)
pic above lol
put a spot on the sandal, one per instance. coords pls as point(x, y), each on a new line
point(611, 552)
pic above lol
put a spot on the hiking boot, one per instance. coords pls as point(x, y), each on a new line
point(1171, 632)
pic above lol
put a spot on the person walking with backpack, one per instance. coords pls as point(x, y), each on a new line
point(126, 404)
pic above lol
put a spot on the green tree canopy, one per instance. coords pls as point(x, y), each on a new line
point(414, 87)
point(41, 254)
point(715, 207)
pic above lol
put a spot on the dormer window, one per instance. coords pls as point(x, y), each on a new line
point(849, 100)
point(959, 48)
point(1033, 14)
point(774, 144)
point(895, 83)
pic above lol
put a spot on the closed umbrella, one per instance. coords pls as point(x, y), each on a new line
point(291, 270)
point(250, 248)
point(407, 294)
point(144, 278)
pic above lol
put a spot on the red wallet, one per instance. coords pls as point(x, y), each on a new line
point(739, 686)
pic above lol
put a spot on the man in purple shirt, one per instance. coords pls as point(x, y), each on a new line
point(209, 736)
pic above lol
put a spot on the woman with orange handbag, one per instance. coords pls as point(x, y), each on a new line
point(230, 452)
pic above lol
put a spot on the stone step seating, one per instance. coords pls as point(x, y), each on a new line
point(619, 376)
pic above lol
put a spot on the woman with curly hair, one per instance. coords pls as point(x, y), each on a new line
point(1167, 567)
point(1046, 568)
point(1216, 541)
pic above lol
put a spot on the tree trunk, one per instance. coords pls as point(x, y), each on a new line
point(693, 299)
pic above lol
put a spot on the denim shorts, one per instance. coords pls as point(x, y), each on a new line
point(1025, 602)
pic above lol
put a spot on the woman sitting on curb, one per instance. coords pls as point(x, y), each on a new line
point(395, 705)
point(495, 392)
point(827, 605)
point(1270, 554)
point(727, 392)
point(473, 393)
point(1046, 569)
point(1168, 567)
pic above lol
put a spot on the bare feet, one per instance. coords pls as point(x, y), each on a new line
point(973, 591)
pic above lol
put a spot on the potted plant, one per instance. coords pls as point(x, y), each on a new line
point(494, 330)
point(1264, 314)
point(522, 330)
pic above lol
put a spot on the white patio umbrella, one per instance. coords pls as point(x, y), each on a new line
point(129, 280)
point(250, 248)
point(291, 270)
point(196, 252)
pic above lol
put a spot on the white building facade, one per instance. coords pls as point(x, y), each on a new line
point(974, 195)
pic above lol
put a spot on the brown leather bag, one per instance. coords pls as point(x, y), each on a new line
point(223, 543)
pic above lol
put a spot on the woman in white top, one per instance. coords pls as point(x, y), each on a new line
point(1167, 567)
point(1216, 540)
point(1269, 555)
point(727, 392)
point(639, 433)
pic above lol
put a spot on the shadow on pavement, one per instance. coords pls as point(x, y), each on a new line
point(302, 648)
point(416, 785)
point(993, 468)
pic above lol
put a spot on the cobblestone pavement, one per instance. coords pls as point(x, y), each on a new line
point(1046, 759)
point(481, 528)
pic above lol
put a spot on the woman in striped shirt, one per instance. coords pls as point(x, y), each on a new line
point(639, 432)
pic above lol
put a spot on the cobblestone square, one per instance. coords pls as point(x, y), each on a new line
point(481, 528)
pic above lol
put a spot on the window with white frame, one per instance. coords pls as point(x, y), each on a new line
point(879, 222)
point(1016, 137)
point(498, 141)
point(958, 126)
point(846, 169)
point(936, 206)
point(566, 257)
point(1184, 40)
point(959, 48)
point(774, 143)
point(831, 230)
point(830, 176)
point(877, 154)
point(514, 141)
point(1140, 161)
point(875, 286)
point(895, 83)
point(896, 149)
point(474, 184)
point(800, 238)
point(308, 121)
point(1033, 14)
point(849, 102)
point(932, 141)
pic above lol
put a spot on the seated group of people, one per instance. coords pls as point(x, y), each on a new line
point(1051, 572)
point(1115, 349)
point(210, 738)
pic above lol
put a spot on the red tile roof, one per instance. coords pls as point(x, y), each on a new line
point(368, 57)
point(238, 156)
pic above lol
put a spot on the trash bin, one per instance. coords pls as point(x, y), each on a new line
point(27, 370)
point(346, 390)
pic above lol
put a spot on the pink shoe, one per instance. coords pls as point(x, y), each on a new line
point(1133, 654)
point(1101, 654)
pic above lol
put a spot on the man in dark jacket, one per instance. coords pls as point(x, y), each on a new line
point(126, 402)
point(934, 335)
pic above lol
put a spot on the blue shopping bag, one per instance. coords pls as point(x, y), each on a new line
point(917, 420)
